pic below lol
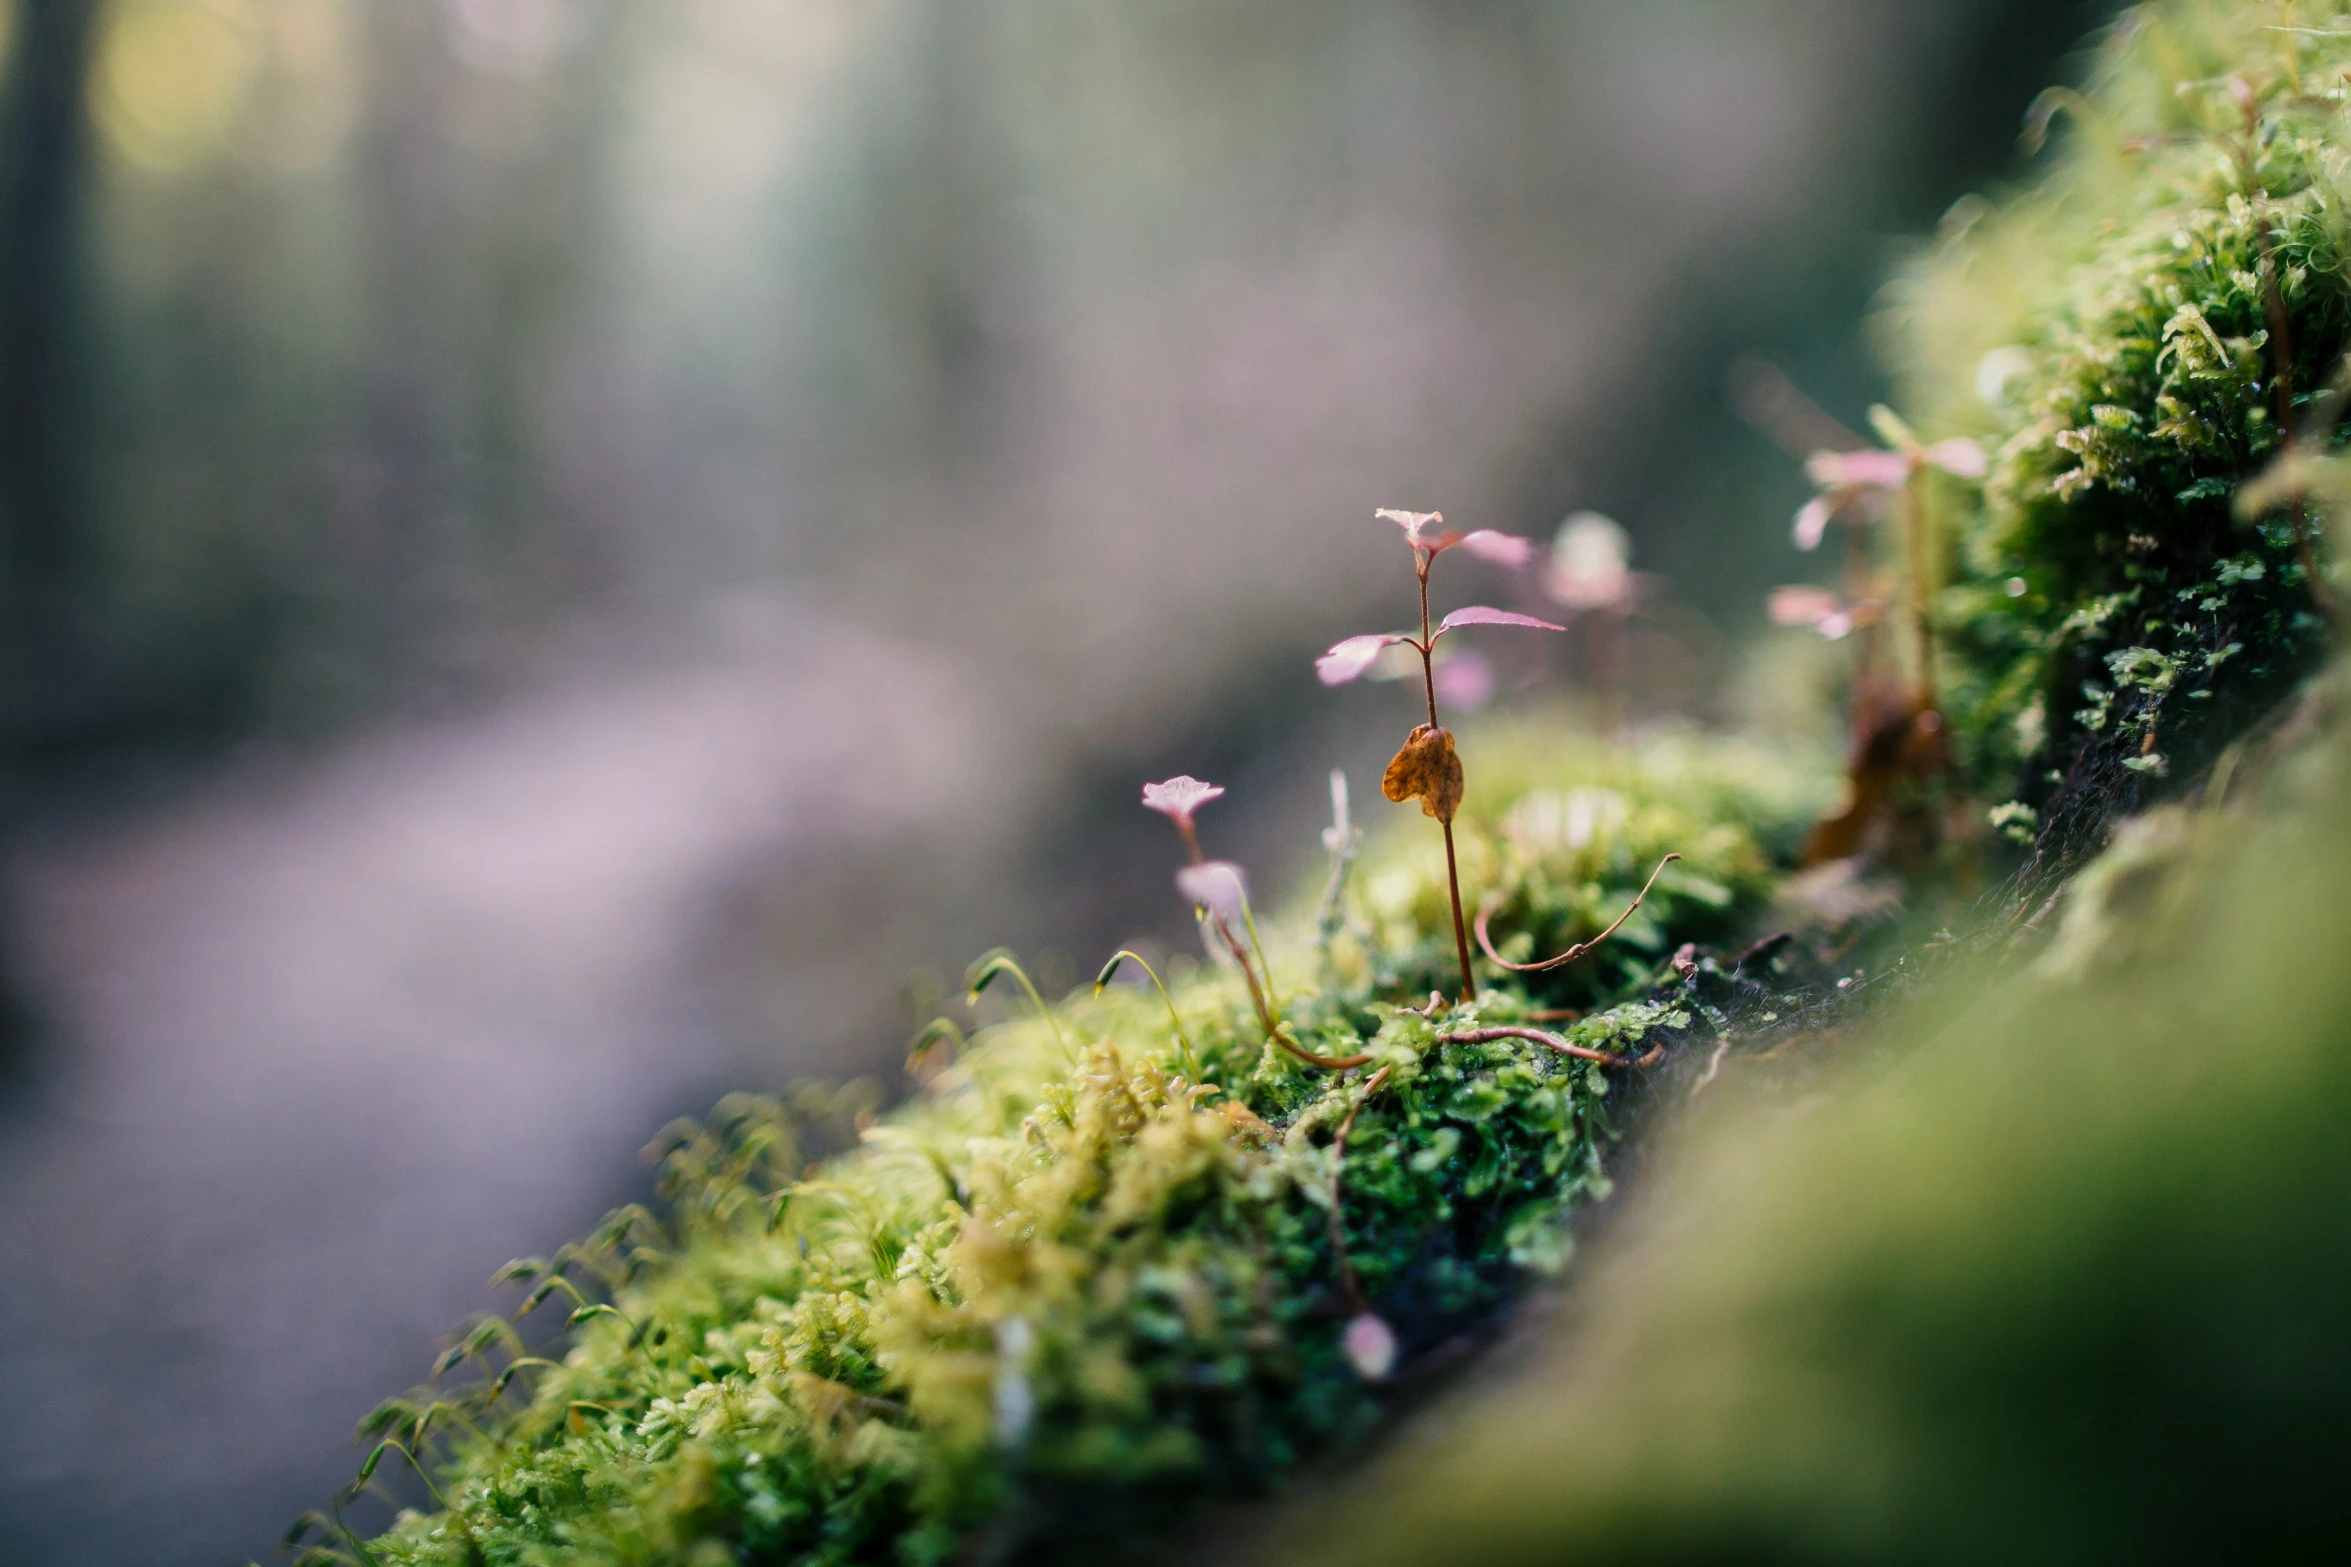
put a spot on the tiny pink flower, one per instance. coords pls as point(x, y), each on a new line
point(1216, 886)
point(1371, 1346)
point(1178, 797)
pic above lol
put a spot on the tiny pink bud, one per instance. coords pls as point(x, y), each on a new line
point(1216, 886)
point(1179, 797)
point(1371, 1346)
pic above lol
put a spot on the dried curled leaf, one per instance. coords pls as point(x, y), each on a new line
point(1428, 769)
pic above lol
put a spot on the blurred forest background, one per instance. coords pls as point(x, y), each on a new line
point(557, 551)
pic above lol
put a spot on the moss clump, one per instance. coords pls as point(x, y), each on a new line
point(1093, 1271)
point(2126, 336)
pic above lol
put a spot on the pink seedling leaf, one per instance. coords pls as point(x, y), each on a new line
point(1867, 469)
point(1486, 615)
point(1178, 797)
point(1414, 523)
point(1216, 886)
point(1822, 610)
point(1503, 549)
point(1349, 659)
point(1371, 1347)
point(1813, 520)
point(1802, 606)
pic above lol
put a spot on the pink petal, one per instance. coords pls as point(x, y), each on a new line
point(1503, 549)
point(1371, 1347)
point(1802, 606)
point(1813, 521)
point(1465, 681)
point(1217, 886)
point(1868, 468)
point(1484, 615)
point(1350, 658)
point(1179, 796)
point(1414, 523)
point(1959, 456)
point(1837, 626)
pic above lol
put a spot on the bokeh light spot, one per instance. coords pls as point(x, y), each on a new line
point(172, 77)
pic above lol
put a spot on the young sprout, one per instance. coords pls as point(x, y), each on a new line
point(1344, 840)
point(1216, 889)
point(999, 960)
point(1428, 768)
point(1175, 1020)
point(1219, 895)
point(1897, 734)
point(1850, 481)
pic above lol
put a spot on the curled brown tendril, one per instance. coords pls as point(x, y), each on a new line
point(1486, 942)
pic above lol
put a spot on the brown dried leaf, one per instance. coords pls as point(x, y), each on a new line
point(1907, 745)
point(1427, 769)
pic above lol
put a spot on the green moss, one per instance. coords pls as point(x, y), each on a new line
point(2116, 335)
point(1065, 1284)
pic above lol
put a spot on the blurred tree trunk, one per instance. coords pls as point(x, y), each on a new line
point(42, 179)
point(44, 147)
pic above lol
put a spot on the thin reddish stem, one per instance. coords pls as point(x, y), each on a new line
point(1427, 644)
point(1248, 973)
point(1915, 528)
point(1469, 984)
point(1257, 998)
point(1428, 679)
